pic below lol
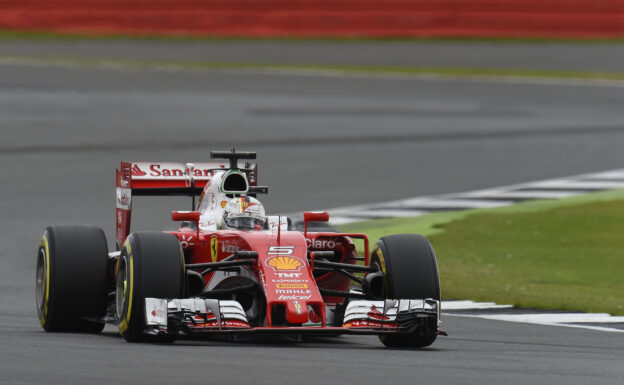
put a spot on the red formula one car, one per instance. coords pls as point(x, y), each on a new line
point(231, 270)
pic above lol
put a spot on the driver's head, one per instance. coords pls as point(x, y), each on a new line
point(244, 213)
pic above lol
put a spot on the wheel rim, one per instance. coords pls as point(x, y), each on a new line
point(121, 288)
point(41, 279)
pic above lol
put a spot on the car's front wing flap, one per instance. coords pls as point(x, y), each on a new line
point(211, 316)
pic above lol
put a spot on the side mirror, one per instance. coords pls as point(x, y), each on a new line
point(311, 216)
point(191, 216)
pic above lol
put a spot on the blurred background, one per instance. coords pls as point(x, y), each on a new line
point(309, 18)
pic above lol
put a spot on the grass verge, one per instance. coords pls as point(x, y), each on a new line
point(566, 254)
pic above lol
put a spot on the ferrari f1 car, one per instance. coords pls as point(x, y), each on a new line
point(230, 270)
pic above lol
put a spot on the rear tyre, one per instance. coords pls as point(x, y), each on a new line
point(72, 279)
point(411, 272)
point(151, 264)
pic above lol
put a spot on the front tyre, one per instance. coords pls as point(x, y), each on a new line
point(72, 279)
point(151, 264)
point(411, 272)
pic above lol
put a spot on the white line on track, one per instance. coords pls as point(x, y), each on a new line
point(571, 320)
point(493, 197)
point(470, 305)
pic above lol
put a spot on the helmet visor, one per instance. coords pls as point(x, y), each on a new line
point(244, 222)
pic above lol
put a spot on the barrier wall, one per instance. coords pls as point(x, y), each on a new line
point(372, 18)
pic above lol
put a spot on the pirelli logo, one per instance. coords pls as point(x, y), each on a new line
point(292, 285)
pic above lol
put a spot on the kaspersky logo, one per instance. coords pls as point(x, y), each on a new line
point(284, 263)
point(136, 171)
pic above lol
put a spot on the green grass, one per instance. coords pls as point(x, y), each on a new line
point(566, 254)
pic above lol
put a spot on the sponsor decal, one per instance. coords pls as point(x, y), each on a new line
point(157, 316)
point(123, 198)
point(297, 307)
point(136, 171)
point(281, 250)
point(209, 316)
point(293, 291)
point(146, 170)
point(223, 203)
point(284, 263)
point(281, 280)
point(294, 297)
point(214, 248)
point(234, 324)
point(288, 275)
point(320, 244)
point(227, 247)
point(375, 314)
point(158, 170)
point(206, 224)
point(292, 285)
point(186, 241)
point(158, 313)
point(366, 324)
point(279, 221)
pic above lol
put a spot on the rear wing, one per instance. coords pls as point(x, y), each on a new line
point(165, 179)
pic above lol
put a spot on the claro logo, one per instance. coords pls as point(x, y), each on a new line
point(320, 244)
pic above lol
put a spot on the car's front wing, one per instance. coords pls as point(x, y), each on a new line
point(198, 316)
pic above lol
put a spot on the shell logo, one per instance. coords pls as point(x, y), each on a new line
point(284, 263)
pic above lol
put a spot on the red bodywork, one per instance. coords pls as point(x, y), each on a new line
point(282, 265)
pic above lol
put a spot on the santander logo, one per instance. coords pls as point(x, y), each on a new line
point(136, 171)
point(147, 170)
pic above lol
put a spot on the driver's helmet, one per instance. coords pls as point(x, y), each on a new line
point(244, 213)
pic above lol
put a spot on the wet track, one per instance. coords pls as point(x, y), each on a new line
point(322, 141)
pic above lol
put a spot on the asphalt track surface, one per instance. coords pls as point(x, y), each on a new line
point(322, 141)
point(602, 57)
